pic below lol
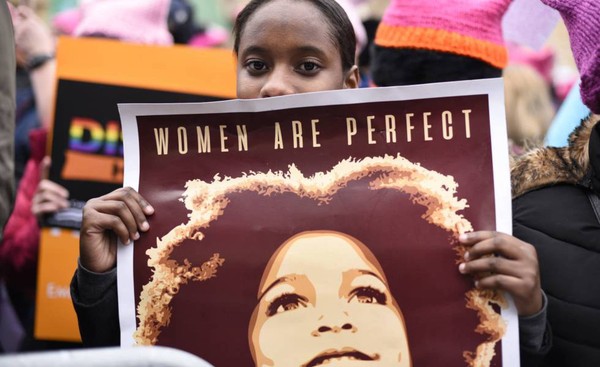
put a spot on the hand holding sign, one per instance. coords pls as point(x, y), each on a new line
point(121, 213)
point(514, 270)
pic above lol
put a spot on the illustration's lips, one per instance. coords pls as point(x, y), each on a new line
point(348, 353)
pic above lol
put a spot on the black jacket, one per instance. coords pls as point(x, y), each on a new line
point(95, 300)
point(553, 189)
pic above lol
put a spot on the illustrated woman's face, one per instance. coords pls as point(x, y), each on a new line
point(286, 48)
point(324, 299)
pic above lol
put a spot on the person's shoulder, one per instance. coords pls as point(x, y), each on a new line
point(561, 212)
point(550, 198)
point(549, 166)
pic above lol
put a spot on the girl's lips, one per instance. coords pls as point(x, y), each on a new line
point(344, 352)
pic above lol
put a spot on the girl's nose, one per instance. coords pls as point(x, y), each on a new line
point(278, 83)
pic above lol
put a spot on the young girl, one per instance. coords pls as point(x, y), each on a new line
point(276, 55)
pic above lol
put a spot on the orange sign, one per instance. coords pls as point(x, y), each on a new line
point(92, 167)
point(55, 318)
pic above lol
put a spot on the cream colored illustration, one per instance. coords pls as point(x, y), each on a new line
point(325, 299)
point(207, 201)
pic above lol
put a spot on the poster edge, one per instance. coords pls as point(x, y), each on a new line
point(125, 284)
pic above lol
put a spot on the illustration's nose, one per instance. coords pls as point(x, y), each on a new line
point(277, 84)
point(334, 329)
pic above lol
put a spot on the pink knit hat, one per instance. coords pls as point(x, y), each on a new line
point(465, 27)
point(541, 60)
point(139, 21)
point(211, 37)
point(67, 21)
point(582, 18)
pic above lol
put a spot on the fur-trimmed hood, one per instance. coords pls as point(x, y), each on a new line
point(566, 165)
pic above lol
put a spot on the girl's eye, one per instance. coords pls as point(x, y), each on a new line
point(286, 302)
point(256, 66)
point(309, 67)
point(368, 295)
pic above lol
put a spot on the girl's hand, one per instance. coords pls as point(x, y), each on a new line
point(500, 261)
point(120, 214)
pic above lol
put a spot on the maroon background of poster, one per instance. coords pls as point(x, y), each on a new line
point(211, 318)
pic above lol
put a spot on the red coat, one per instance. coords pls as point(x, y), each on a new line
point(20, 244)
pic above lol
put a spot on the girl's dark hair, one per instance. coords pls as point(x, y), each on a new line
point(340, 28)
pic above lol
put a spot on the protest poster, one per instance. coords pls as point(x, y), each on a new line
point(319, 228)
point(93, 75)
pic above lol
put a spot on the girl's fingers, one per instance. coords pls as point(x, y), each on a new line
point(113, 215)
point(471, 238)
point(499, 281)
point(114, 223)
point(525, 292)
point(124, 210)
point(491, 264)
point(488, 243)
point(133, 199)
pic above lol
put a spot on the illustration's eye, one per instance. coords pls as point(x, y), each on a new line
point(286, 302)
point(368, 295)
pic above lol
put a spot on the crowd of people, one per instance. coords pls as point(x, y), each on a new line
point(548, 263)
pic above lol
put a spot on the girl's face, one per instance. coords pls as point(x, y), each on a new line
point(322, 300)
point(286, 48)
